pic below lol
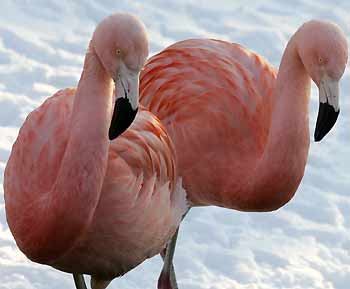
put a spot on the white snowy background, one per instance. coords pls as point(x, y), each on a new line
point(305, 245)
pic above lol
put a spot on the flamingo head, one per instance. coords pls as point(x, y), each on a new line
point(324, 53)
point(121, 43)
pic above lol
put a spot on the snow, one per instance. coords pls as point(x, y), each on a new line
point(305, 245)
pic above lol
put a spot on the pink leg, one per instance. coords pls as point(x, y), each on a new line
point(167, 278)
point(79, 281)
point(95, 282)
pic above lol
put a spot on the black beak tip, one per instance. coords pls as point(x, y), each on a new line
point(123, 116)
point(327, 117)
point(318, 137)
point(112, 134)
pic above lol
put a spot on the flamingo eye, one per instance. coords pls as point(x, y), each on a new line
point(118, 51)
point(320, 60)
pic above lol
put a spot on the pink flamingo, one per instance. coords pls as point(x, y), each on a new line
point(75, 200)
point(240, 129)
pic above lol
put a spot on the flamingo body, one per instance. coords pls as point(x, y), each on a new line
point(240, 129)
point(141, 202)
point(215, 99)
point(81, 197)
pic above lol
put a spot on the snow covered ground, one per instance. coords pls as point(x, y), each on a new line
point(304, 245)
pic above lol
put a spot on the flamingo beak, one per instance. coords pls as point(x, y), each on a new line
point(126, 104)
point(329, 107)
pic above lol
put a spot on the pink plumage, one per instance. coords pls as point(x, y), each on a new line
point(215, 99)
point(74, 199)
point(239, 128)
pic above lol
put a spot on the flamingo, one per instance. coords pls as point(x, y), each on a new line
point(85, 193)
point(240, 128)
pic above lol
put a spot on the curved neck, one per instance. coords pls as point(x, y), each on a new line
point(76, 192)
point(282, 165)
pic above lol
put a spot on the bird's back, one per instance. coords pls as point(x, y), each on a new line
point(215, 99)
point(37, 153)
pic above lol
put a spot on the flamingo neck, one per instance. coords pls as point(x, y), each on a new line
point(92, 109)
point(281, 168)
point(77, 189)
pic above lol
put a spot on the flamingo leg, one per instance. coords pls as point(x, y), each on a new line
point(79, 281)
point(167, 278)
